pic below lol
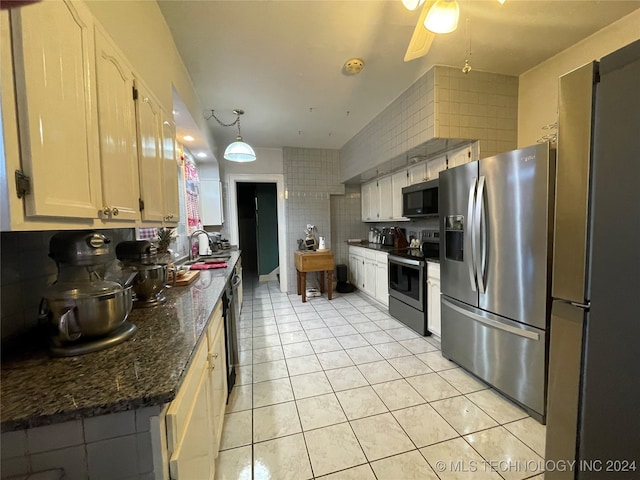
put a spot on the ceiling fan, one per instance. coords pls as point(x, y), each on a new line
point(436, 16)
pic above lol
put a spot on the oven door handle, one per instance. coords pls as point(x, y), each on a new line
point(405, 261)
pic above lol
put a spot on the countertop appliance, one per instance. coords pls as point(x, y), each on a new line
point(420, 200)
point(86, 313)
point(593, 416)
point(496, 218)
point(140, 257)
point(407, 282)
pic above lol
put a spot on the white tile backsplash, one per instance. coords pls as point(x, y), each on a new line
point(113, 459)
point(443, 103)
point(73, 460)
point(55, 436)
point(104, 427)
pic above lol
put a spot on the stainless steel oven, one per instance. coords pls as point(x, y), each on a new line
point(407, 294)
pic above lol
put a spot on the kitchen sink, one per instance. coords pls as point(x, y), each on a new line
point(216, 257)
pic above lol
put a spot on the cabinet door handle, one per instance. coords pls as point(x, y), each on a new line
point(106, 211)
point(211, 357)
point(115, 211)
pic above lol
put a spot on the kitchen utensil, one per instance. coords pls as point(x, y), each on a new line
point(188, 278)
point(82, 314)
point(140, 257)
point(81, 307)
point(151, 280)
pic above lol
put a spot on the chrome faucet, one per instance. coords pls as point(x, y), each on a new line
point(196, 232)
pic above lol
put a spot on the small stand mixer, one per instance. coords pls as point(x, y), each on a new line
point(140, 256)
point(85, 312)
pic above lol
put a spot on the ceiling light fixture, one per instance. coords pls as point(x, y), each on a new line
point(188, 138)
point(238, 151)
point(353, 66)
point(412, 4)
point(443, 17)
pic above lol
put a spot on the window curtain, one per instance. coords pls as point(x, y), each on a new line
point(192, 183)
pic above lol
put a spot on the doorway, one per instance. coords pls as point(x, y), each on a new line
point(258, 228)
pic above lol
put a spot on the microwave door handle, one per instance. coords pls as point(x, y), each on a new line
point(480, 230)
point(470, 237)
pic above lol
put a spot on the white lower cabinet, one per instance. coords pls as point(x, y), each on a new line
point(356, 267)
point(433, 298)
point(368, 271)
point(194, 419)
point(382, 278)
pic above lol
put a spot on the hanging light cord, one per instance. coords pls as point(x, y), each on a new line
point(235, 122)
point(467, 66)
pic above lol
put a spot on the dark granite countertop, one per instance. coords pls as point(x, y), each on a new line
point(373, 246)
point(144, 371)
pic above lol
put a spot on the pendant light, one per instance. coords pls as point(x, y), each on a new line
point(412, 4)
point(443, 16)
point(238, 151)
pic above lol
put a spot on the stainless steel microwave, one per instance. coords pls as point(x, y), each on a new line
point(420, 200)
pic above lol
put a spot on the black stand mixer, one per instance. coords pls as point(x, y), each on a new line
point(85, 312)
point(140, 257)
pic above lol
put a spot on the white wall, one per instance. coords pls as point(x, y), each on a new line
point(538, 99)
point(140, 30)
point(268, 160)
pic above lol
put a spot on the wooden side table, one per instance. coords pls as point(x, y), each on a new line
point(314, 261)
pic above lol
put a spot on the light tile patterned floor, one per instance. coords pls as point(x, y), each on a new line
point(341, 390)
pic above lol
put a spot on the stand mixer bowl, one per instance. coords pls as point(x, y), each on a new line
point(150, 281)
point(77, 315)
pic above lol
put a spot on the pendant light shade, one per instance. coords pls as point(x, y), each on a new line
point(443, 17)
point(239, 151)
point(412, 4)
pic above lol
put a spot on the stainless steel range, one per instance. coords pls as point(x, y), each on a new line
point(407, 282)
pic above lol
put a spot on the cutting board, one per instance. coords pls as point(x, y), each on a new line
point(187, 278)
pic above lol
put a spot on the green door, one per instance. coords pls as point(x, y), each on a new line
point(266, 227)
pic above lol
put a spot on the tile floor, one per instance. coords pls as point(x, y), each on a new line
point(340, 390)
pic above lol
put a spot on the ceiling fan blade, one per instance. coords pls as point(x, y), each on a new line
point(421, 38)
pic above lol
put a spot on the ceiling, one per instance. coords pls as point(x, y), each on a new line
point(281, 61)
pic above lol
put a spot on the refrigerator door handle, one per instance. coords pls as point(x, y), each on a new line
point(469, 230)
point(584, 306)
point(480, 244)
point(483, 318)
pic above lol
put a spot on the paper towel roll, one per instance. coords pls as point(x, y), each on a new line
point(203, 244)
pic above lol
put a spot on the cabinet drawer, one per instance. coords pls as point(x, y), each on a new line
point(369, 254)
point(180, 409)
point(382, 257)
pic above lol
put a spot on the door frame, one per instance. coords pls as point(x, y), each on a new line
point(232, 208)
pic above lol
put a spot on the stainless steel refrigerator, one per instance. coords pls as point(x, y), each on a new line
point(594, 364)
point(496, 219)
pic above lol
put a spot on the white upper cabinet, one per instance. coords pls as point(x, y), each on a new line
point(117, 127)
point(370, 202)
point(150, 157)
point(211, 202)
point(385, 198)
point(170, 171)
point(398, 182)
point(417, 173)
point(53, 47)
point(382, 198)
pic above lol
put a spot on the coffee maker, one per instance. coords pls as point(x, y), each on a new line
point(85, 313)
point(141, 257)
